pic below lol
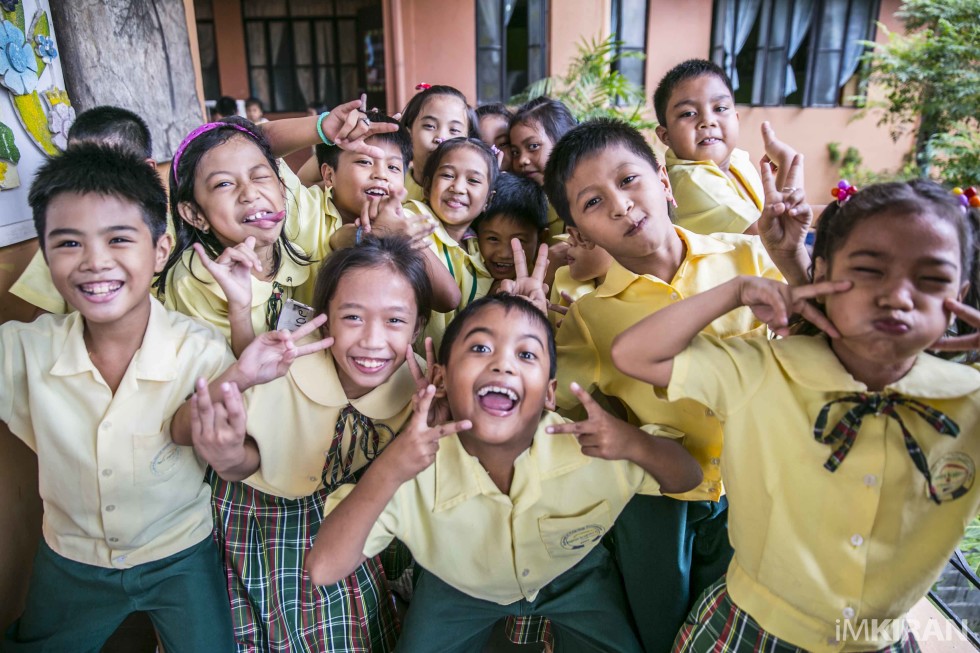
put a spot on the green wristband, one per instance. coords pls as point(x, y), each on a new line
point(319, 129)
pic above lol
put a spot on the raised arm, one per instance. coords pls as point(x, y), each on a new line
point(786, 218)
point(339, 546)
point(347, 126)
point(646, 351)
point(603, 436)
point(218, 432)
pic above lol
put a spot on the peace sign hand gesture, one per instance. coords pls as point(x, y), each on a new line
point(601, 435)
point(233, 271)
point(269, 356)
point(348, 127)
point(774, 303)
point(532, 288)
point(439, 409)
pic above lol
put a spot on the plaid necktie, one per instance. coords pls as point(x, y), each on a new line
point(845, 431)
point(364, 436)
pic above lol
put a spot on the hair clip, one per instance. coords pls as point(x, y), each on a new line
point(843, 191)
point(967, 197)
point(496, 150)
point(422, 86)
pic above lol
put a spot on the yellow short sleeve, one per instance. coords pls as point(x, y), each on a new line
point(720, 374)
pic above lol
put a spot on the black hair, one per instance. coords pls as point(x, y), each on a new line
point(113, 126)
point(681, 72)
point(447, 146)
point(915, 197)
point(494, 109)
point(225, 106)
point(182, 191)
point(553, 116)
point(582, 142)
point(508, 302)
point(393, 252)
point(330, 154)
point(254, 101)
point(414, 106)
point(518, 198)
point(91, 168)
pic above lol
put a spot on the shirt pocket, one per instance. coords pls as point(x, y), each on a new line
point(573, 536)
point(156, 457)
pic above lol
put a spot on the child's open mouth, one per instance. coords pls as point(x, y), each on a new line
point(370, 365)
point(264, 219)
point(497, 400)
point(376, 192)
point(711, 140)
point(100, 291)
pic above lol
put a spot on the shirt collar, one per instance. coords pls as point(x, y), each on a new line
point(810, 361)
point(155, 360)
point(460, 476)
point(697, 246)
point(316, 377)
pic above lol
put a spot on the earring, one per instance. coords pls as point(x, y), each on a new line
point(205, 229)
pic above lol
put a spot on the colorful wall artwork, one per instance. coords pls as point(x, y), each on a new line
point(35, 111)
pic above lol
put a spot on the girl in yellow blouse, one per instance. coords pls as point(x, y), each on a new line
point(317, 426)
point(850, 456)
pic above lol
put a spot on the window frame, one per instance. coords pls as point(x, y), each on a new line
point(537, 52)
point(616, 21)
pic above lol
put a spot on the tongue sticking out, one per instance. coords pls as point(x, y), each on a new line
point(496, 401)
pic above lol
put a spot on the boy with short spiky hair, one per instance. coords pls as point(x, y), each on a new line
point(127, 515)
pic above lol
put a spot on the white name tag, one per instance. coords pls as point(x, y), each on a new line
point(294, 315)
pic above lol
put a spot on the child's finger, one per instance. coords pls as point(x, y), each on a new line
point(794, 175)
point(592, 408)
point(814, 290)
point(768, 179)
point(520, 261)
point(204, 406)
point(413, 365)
point(313, 347)
point(234, 406)
point(968, 342)
point(430, 355)
point(220, 416)
point(816, 317)
point(575, 428)
point(422, 401)
point(558, 308)
point(452, 427)
point(196, 425)
point(966, 313)
point(206, 261)
point(309, 327)
point(541, 264)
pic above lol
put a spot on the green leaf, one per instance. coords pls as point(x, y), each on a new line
point(16, 16)
point(8, 148)
point(39, 25)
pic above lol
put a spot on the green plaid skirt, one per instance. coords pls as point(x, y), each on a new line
point(263, 540)
point(717, 625)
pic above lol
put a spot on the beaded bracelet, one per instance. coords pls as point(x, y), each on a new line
point(319, 129)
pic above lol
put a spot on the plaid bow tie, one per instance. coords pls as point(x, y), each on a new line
point(845, 431)
point(364, 436)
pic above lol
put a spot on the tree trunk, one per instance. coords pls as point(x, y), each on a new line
point(133, 54)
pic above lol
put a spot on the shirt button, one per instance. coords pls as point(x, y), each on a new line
point(106, 426)
point(313, 478)
point(848, 612)
point(525, 573)
point(110, 508)
point(674, 296)
point(870, 480)
point(121, 559)
point(857, 540)
point(715, 461)
point(709, 412)
point(113, 539)
point(107, 472)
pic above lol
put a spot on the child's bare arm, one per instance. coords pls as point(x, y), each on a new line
point(786, 218)
point(233, 272)
point(347, 126)
point(339, 546)
point(646, 351)
point(309, 172)
point(445, 293)
point(603, 436)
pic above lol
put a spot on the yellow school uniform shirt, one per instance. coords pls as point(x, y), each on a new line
point(35, 287)
point(708, 200)
point(586, 334)
point(311, 216)
point(117, 491)
point(294, 419)
point(465, 264)
point(503, 548)
point(564, 283)
point(819, 555)
point(556, 226)
point(415, 192)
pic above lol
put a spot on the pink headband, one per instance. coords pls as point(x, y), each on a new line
point(203, 129)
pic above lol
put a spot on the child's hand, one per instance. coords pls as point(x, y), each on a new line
point(531, 288)
point(348, 127)
point(385, 216)
point(269, 356)
point(778, 157)
point(439, 409)
point(774, 302)
point(233, 271)
point(601, 435)
point(968, 342)
point(786, 216)
point(218, 429)
point(416, 445)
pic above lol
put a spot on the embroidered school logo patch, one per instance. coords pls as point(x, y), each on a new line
point(582, 536)
point(953, 475)
point(166, 460)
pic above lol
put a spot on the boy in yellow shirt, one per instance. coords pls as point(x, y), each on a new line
point(34, 293)
point(506, 516)
point(127, 516)
point(716, 186)
point(605, 181)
